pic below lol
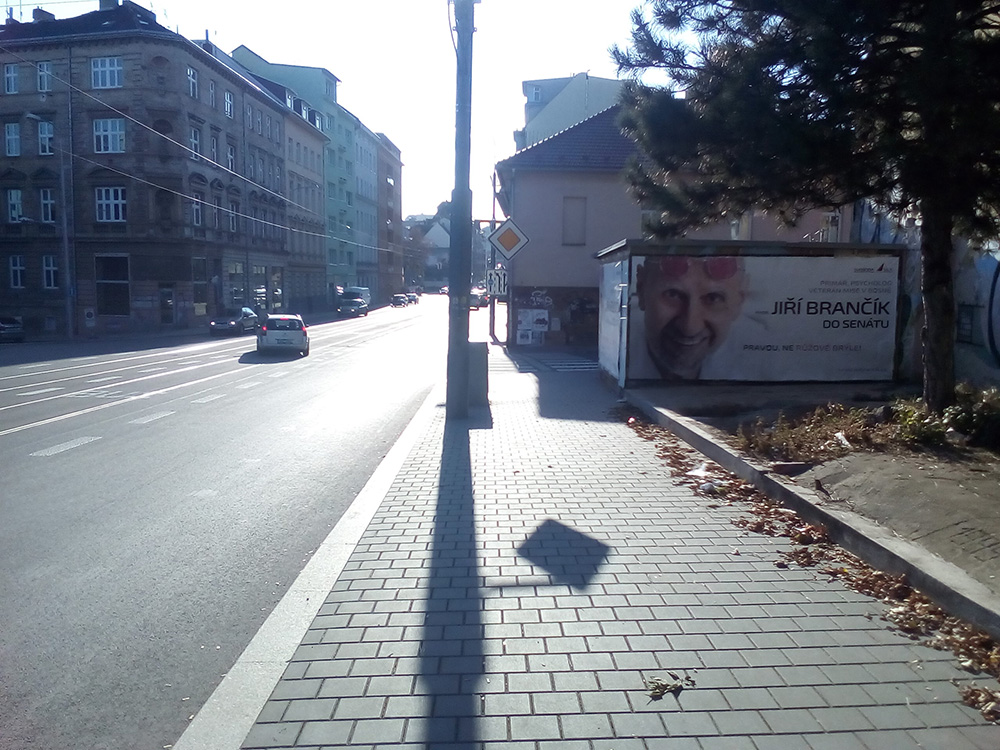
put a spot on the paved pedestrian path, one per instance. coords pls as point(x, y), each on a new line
point(532, 575)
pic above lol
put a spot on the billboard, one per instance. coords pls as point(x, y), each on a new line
point(762, 318)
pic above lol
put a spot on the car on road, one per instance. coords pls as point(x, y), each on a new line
point(413, 298)
point(283, 332)
point(353, 308)
point(478, 298)
point(11, 329)
point(233, 322)
point(399, 300)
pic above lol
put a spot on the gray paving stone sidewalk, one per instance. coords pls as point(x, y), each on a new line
point(533, 567)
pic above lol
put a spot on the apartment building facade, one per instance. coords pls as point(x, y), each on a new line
point(143, 180)
point(391, 264)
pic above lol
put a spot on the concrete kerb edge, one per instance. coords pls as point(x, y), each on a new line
point(230, 712)
point(947, 584)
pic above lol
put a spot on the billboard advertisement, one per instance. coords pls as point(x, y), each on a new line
point(762, 318)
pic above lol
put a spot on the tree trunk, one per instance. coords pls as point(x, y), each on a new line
point(938, 294)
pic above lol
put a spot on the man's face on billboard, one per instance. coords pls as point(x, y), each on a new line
point(689, 306)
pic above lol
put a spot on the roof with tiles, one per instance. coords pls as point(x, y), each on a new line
point(125, 18)
point(596, 144)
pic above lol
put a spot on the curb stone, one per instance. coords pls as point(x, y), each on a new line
point(947, 584)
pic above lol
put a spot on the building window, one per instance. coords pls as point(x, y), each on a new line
point(231, 157)
point(50, 272)
point(196, 203)
point(110, 203)
point(47, 204)
point(45, 75)
point(217, 213)
point(213, 145)
point(12, 138)
point(109, 136)
point(16, 266)
point(229, 104)
point(46, 131)
point(111, 277)
point(259, 128)
point(199, 280)
point(106, 73)
point(194, 142)
point(192, 82)
point(267, 127)
point(249, 117)
point(574, 221)
point(10, 78)
point(211, 94)
point(234, 212)
point(15, 207)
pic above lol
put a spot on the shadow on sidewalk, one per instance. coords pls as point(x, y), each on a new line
point(451, 662)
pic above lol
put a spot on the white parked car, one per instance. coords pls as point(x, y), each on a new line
point(278, 332)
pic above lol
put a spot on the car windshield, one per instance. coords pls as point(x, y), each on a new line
point(353, 303)
point(230, 314)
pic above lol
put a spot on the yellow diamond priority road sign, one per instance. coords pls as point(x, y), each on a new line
point(508, 239)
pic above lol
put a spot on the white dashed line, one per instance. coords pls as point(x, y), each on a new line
point(206, 399)
point(245, 386)
point(105, 379)
point(65, 446)
point(38, 392)
point(151, 417)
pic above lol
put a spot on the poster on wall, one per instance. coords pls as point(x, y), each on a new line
point(762, 318)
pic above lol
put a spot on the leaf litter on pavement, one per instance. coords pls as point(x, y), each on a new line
point(909, 612)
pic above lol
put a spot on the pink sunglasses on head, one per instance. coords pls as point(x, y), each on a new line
point(717, 268)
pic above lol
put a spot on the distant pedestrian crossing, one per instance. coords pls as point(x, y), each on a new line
point(541, 362)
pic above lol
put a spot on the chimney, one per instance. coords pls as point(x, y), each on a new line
point(41, 15)
point(109, 4)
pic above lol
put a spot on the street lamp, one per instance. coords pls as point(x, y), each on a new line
point(70, 272)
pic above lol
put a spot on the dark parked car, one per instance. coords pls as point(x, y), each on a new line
point(11, 329)
point(236, 322)
point(478, 298)
point(353, 308)
point(413, 298)
point(399, 300)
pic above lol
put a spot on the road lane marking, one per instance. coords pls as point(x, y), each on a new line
point(152, 369)
point(231, 711)
point(87, 391)
point(39, 392)
point(105, 379)
point(245, 386)
point(206, 399)
point(101, 407)
point(151, 417)
point(65, 446)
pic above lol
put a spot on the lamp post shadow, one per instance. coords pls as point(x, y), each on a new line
point(451, 652)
